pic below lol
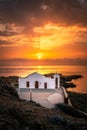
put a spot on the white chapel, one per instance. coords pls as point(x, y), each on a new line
point(43, 89)
point(39, 81)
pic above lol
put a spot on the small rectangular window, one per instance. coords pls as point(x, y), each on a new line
point(27, 84)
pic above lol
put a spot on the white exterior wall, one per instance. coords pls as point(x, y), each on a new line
point(57, 76)
point(41, 79)
point(50, 83)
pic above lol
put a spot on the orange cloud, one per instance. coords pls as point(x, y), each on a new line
point(50, 35)
point(45, 42)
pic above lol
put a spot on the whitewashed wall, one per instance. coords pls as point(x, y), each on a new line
point(57, 76)
point(42, 79)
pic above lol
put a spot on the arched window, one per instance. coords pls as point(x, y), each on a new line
point(27, 84)
point(36, 84)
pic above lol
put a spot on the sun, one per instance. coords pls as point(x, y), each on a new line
point(39, 56)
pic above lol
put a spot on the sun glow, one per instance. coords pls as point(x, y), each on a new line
point(39, 56)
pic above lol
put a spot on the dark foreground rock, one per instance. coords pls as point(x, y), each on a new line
point(78, 100)
point(16, 114)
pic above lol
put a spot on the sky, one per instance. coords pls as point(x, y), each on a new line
point(43, 31)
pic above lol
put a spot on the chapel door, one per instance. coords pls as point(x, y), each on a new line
point(36, 84)
point(45, 85)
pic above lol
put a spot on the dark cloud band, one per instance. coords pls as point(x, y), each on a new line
point(22, 11)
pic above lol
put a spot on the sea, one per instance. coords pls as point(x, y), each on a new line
point(23, 71)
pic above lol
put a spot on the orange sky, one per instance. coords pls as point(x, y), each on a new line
point(48, 32)
point(50, 41)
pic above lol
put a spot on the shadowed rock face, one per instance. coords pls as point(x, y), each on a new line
point(16, 114)
point(66, 81)
point(6, 88)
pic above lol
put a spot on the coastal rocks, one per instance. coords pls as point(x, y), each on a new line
point(66, 81)
point(78, 100)
point(70, 77)
point(71, 111)
point(8, 123)
point(16, 114)
point(6, 88)
point(69, 124)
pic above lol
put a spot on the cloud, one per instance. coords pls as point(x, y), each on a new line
point(10, 29)
point(22, 12)
point(25, 24)
point(29, 62)
point(15, 40)
point(76, 49)
point(7, 33)
point(79, 46)
point(19, 11)
point(51, 36)
point(81, 1)
point(4, 43)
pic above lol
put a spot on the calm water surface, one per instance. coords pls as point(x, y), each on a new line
point(65, 70)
